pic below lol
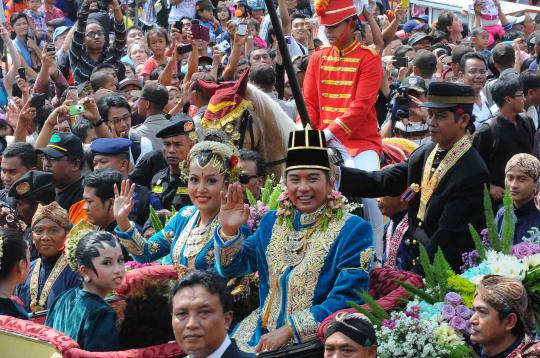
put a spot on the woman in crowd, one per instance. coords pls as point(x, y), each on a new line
point(50, 274)
point(223, 15)
point(26, 45)
point(14, 265)
point(187, 238)
point(450, 23)
point(82, 313)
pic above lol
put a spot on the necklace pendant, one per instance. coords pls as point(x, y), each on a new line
point(34, 307)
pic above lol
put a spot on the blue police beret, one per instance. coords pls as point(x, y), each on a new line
point(110, 145)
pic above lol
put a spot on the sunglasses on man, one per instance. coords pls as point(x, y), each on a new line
point(245, 178)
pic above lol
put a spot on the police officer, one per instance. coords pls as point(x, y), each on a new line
point(171, 183)
point(33, 188)
point(113, 153)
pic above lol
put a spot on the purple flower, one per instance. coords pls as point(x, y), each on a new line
point(458, 323)
point(463, 312)
point(525, 249)
point(452, 298)
point(388, 323)
point(448, 312)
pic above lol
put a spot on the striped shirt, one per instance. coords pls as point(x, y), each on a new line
point(81, 63)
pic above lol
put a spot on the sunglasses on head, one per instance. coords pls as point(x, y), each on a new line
point(245, 178)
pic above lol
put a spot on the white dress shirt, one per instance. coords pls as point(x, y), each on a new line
point(221, 350)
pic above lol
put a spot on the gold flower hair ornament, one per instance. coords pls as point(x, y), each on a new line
point(216, 143)
point(1, 250)
point(75, 235)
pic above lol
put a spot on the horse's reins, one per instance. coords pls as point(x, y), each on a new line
point(246, 123)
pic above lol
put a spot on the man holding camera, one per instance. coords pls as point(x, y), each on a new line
point(406, 118)
point(340, 89)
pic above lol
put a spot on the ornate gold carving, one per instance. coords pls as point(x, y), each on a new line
point(39, 304)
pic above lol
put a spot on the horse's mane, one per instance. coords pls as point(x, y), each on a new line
point(275, 115)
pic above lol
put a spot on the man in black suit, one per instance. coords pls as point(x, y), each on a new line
point(442, 181)
point(201, 308)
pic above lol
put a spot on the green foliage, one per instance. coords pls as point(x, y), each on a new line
point(251, 199)
point(463, 287)
point(273, 202)
point(459, 351)
point(267, 189)
point(426, 266)
point(507, 224)
point(415, 291)
point(375, 320)
point(154, 220)
point(531, 282)
point(493, 231)
point(373, 305)
point(478, 244)
point(441, 273)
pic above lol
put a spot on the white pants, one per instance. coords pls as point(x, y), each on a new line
point(368, 161)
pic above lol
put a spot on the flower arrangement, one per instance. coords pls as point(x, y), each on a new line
point(335, 208)
point(269, 201)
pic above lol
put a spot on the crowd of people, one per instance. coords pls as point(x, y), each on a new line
point(134, 137)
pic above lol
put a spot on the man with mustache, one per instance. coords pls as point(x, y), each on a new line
point(442, 181)
point(170, 184)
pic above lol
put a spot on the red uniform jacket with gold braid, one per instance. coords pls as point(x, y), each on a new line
point(340, 90)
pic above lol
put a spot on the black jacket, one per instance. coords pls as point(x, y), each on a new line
point(456, 202)
point(234, 352)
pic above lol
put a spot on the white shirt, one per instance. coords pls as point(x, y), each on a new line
point(533, 113)
point(185, 8)
point(482, 114)
point(221, 350)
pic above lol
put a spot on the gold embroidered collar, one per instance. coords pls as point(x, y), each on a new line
point(308, 219)
point(431, 178)
point(39, 304)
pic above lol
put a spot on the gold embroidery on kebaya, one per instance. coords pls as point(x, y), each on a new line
point(305, 325)
point(135, 245)
point(39, 304)
point(246, 330)
point(431, 181)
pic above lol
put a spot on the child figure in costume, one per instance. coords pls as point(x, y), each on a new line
point(83, 314)
point(340, 88)
point(50, 274)
point(14, 264)
point(187, 238)
point(309, 254)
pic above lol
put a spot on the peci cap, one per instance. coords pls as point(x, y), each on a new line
point(307, 150)
point(111, 146)
point(34, 183)
point(448, 95)
point(177, 127)
point(63, 145)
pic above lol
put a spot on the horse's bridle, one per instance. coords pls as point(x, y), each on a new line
point(246, 123)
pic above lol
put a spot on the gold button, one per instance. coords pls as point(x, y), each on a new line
point(419, 224)
point(414, 242)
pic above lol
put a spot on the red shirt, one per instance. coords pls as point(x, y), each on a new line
point(340, 89)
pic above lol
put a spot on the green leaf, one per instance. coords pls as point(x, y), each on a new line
point(478, 244)
point(267, 189)
point(507, 224)
point(427, 267)
point(251, 199)
point(493, 230)
point(441, 273)
point(154, 220)
point(377, 310)
point(368, 314)
point(273, 202)
point(415, 291)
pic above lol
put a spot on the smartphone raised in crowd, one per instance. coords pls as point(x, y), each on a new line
point(223, 46)
point(400, 62)
point(242, 29)
point(38, 100)
point(184, 49)
point(22, 73)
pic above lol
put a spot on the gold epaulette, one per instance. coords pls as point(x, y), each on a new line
point(370, 49)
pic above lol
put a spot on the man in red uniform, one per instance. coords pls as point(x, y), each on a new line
point(340, 89)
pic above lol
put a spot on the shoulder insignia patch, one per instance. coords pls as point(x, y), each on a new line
point(370, 49)
point(23, 188)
